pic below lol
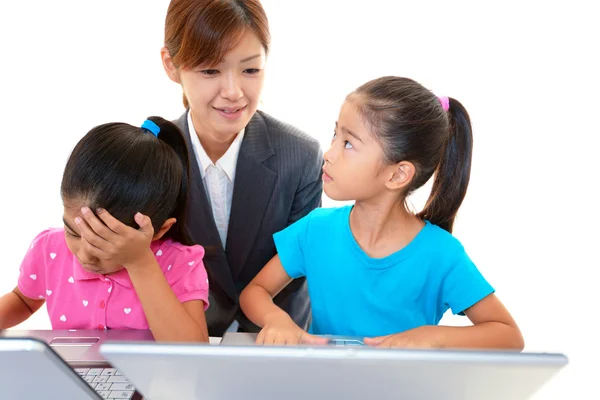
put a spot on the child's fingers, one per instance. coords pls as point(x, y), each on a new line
point(112, 223)
point(307, 338)
point(93, 250)
point(90, 236)
point(97, 226)
point(375, 341)
point(145, 223)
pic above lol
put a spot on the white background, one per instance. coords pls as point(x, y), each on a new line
point(527, 72)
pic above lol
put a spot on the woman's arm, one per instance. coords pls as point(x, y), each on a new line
point(493, 328)
point(15, 308)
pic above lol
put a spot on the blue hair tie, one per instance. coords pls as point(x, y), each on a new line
point(151, 127)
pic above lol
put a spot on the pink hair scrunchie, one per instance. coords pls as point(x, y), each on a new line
point(445, 102)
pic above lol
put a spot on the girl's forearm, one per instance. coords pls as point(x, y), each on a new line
point(490, 335)
point(258, 305)
point(13, 310)
point(167, 318)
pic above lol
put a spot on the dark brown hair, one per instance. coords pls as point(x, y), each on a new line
point(125, 169)
point(199, 32)
point(412, 126)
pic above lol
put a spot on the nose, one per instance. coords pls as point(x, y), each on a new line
point(231, 87)
point(85, 258)
point(330, 154)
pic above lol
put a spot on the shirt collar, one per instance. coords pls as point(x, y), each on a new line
point(228, 162)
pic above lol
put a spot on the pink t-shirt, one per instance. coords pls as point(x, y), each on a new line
point(78, 299)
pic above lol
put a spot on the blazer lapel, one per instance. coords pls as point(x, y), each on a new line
point(252, 190)
point(200, 222)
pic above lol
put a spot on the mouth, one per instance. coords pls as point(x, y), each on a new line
point(230, 112)
point(326, 177)
point(92, 268)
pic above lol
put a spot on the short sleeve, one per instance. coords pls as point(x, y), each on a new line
point(463, 286)
point(290, 244)
point(192, 283)
point(32, 273)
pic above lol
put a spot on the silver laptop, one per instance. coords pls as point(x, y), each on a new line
point(165, 371)
point(249, 339)
point(69, 358)
point(30, 369)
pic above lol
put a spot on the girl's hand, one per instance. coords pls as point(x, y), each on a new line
point(112, 241)
point(281, 330)
point(424, 337)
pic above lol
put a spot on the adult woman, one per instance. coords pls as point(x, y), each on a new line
point(251, 175)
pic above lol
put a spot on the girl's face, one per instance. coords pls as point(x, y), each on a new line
point(78, 246)
point(354, 168)
point(225, 96)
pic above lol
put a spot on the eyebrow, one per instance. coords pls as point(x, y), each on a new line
point(349, 132)
point(250, 58)
point(69, 226)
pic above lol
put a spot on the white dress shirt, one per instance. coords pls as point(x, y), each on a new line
point(218, 178)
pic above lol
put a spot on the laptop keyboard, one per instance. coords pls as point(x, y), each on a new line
point(109, 383)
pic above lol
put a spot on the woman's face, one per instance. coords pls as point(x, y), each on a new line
point(225, 96)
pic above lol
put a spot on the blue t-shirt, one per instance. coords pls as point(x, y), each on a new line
point(354, 294)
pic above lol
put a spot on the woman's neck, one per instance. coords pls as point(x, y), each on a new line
point(382, 228)
point(214, 144)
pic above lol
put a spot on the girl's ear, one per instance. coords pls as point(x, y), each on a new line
point(164, 228)
point(400, 175)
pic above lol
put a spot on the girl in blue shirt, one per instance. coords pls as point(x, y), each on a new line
point(376, 269)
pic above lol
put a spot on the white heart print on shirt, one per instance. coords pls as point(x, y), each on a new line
point(48, 292)
point(169, 267)
point(127, 310)
point(53, 255)
point(159, 253)
point(71, 280)
point(34, 276)
point(191, 263)
point(85, 303)
point(63, 318)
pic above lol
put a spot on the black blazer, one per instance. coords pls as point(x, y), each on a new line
point(277, 181)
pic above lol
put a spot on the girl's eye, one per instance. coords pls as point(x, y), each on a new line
point(348, 145)
point(71, 234)
point(252, 71)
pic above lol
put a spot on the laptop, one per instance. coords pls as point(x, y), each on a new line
point(249, 339)
point(165, 371)
point(30, 369)
point(69, 357)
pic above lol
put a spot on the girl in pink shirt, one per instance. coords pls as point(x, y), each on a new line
point(129, 264)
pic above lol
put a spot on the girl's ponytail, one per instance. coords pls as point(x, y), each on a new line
point(172, 136)
point(451, 177)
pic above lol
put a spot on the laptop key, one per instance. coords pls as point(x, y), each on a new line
point(82, 371)
point(94, 371)
point(104, 393)
point(101, 379)
point(122, 386)
point(109, 371)
point(104, 386)
point(117, 379)
point(125, 394)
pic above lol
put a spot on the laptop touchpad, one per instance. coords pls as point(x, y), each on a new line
point(72, 348)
